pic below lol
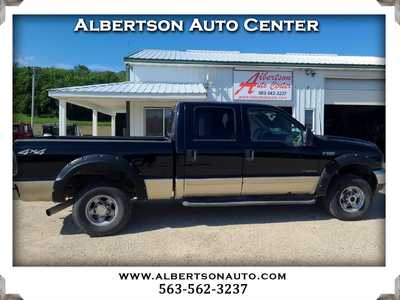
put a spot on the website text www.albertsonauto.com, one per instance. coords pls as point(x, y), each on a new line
point(203, 282)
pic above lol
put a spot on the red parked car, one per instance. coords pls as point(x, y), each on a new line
point(22, 131)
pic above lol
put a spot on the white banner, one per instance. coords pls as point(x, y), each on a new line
point(262, 85)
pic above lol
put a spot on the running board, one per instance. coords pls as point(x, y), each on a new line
point(247, 203)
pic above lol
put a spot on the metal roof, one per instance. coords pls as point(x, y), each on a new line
point(128, 88)
point(236, 57)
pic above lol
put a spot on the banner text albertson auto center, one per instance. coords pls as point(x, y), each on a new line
point(196, 25)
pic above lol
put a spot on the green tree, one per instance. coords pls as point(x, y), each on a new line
point(48, 78)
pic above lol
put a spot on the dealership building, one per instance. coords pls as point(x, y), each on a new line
point(332, 94)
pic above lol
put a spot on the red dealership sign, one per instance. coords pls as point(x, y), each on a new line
point(262, 85)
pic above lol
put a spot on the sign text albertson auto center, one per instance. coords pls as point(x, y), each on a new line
point(258, 85)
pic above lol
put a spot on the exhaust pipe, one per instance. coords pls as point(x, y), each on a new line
point(59, 207)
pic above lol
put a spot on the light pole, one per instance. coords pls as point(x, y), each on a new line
point(33, 97)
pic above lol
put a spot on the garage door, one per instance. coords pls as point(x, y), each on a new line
point(365, 122)
point(355, 91)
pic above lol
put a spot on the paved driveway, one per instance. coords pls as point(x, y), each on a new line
point(169, 234)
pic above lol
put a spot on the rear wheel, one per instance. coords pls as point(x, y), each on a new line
point(102, 211)
point(349, 198)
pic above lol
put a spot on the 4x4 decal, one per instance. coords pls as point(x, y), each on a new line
point(33, 151)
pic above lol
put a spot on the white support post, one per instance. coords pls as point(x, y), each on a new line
point(62, 118)
point(94, 123)
point(113, 124)
point(132, 119)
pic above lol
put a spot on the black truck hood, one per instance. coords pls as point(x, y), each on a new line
point(346, 140)
point(345, 144)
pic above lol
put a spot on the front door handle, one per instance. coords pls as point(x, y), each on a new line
point(191, 155)
point(249, 154)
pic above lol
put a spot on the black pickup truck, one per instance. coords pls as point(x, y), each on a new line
point(218, 154)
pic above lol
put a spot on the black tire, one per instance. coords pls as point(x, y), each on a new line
point(120, 206)
point(333, 204)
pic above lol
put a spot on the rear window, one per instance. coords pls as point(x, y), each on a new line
point(211, 123)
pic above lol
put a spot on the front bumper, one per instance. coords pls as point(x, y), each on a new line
point(380, 179)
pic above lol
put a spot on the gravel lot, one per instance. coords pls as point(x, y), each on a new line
point(169, 234)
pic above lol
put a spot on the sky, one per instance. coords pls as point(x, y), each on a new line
point(51, 41)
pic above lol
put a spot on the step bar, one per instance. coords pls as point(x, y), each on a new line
point(248, 203)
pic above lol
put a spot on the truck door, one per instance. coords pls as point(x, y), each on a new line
point(213, 150)
point(277, 161)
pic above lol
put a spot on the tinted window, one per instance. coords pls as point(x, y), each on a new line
point(168, 120)
point(214, 123)
point(154, 122)
point(309, 118)
point(269, 125)
point(158, 121)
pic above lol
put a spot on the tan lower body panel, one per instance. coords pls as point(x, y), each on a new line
point(179, 188)
point(35, 190)
point(212, 187)
point(279, 185)
point(247, 186)
point(159, 188)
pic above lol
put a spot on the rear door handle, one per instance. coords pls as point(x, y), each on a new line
point(249, 154)
point(191, 155)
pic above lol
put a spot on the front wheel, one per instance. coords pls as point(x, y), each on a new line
point(102, 211)
point(349, 198)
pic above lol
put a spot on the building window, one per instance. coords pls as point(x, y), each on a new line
point(309, 118)
point(158, 121)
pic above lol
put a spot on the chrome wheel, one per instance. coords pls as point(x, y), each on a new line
point(101, 210)
point(352, 199)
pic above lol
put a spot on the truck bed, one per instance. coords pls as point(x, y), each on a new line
point(43, 158)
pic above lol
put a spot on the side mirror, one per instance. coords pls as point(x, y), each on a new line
point(309, 137)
